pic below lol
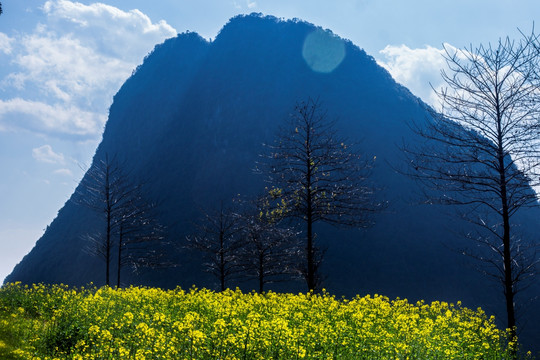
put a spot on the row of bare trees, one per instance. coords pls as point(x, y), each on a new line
point(314, 176)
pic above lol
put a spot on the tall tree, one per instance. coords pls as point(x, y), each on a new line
point(483, 150)
point(216, 237)
point(109, 190)
point(270, 251)
point(316, 176)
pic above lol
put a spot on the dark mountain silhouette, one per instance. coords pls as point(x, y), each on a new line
point(190, 122)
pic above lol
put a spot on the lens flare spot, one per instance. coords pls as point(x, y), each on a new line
point(323, 51)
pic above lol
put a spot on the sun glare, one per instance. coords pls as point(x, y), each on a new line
point(323, 51)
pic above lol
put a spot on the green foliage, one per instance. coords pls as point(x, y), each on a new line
point(275, 205)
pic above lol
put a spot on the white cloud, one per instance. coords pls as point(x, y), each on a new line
point(65, 69)
point(46, 154)
point(5, 43)
point(248, 4)
point(122, 34)
point(64, 172)
point(64, 119)
point(71, 65)
point(416, 69)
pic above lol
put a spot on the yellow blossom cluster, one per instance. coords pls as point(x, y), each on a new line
point(55, 322)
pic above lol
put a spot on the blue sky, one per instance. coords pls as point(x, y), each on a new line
point(62, 61)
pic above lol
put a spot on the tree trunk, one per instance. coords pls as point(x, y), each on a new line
point(507, 256)
point(507, 260)
point(309, 218)
point(108, 249)
point(222, 261)
point(508, 283)
point(119, 256)
point(261, 273)
point(109, 220)
point(310, 260)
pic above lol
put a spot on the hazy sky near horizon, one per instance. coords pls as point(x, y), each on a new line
point(62, 61)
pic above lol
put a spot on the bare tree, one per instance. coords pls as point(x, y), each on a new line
point(1, 9)
point(216, 236)
point(108, 190)
point(482, 151)
point(270, 251)
point(317, 177)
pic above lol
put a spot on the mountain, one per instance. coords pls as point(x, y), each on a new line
point(191, 122)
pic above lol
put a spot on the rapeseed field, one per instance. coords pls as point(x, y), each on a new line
point(57, 322)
